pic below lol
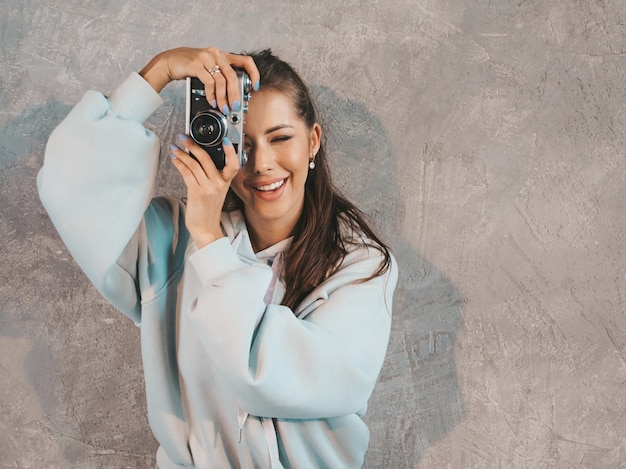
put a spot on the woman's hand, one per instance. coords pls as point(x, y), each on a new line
point(220, 87)
point(206, 188)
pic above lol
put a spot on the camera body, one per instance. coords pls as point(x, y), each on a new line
point(207, 126)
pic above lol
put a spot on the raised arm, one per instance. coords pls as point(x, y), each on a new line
point(98, 173)
point(99, 170)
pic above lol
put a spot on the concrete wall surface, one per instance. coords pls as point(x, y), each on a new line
point(487, 140)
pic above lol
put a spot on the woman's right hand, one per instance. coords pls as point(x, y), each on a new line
point(206, 188)
point(183, 62)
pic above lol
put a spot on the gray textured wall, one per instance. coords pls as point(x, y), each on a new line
point(486, 139)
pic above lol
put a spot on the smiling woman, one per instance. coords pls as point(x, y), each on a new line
point(264, 300)
point(280, 147)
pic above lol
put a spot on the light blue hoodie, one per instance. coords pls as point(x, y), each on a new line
point(233, 379)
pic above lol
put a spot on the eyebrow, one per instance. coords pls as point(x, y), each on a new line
point(278, 127)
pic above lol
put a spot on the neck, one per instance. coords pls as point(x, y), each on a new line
point(266, 233)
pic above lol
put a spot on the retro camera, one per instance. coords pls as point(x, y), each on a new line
point(207, 126)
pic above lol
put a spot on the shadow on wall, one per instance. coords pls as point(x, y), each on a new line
point(417, 400)
point(85, 398)
point(70, 399)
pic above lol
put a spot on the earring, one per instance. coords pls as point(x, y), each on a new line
point(311, 164)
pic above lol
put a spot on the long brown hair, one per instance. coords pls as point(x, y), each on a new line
point(319, 238)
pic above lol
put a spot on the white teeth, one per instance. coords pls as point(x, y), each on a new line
point(270, 187)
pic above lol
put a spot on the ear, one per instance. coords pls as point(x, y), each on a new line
point(316, 138)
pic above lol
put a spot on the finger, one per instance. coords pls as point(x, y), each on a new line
point(220, 91)
point(181, 162)
point(202, 166)
point(231, 168)
point(232, 87)
point(197, 161)
point(227, 77)
point(220, 71)
point(209, 86)
point(207, 71)
point(247, 63)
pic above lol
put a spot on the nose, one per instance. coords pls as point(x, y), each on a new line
point(261, 159)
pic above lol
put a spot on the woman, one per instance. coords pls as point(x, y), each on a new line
point(264, 326)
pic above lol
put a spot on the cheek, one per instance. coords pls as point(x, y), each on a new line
point(237, 185)
point(298, 157)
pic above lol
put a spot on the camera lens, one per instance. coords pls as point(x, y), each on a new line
point(208, 128)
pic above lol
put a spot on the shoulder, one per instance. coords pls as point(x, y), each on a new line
point(359, 246)
point(365, 258)
point(366, 271)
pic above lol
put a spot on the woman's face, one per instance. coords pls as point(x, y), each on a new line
point(279, 147)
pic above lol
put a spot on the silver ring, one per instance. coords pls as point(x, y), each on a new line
point(215, 69)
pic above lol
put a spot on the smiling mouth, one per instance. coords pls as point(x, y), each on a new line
point(270, 187)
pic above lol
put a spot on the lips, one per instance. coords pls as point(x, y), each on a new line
point(269, 191)
point(270, 187)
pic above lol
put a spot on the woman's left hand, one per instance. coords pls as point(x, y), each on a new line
point(206, 188)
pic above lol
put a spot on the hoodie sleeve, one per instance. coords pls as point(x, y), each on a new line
point(97, 181)
point(283, 366)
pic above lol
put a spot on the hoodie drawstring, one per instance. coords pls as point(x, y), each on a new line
point(270, 436)
point(268, 424)
point(272, 442)
point(277, 267)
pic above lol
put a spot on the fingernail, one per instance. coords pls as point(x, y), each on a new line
point(214, 103)
point(226, 141)
point(225, 109)
point(173, 148)
point(236, 105)
point(183, 137)
point(256, 85)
